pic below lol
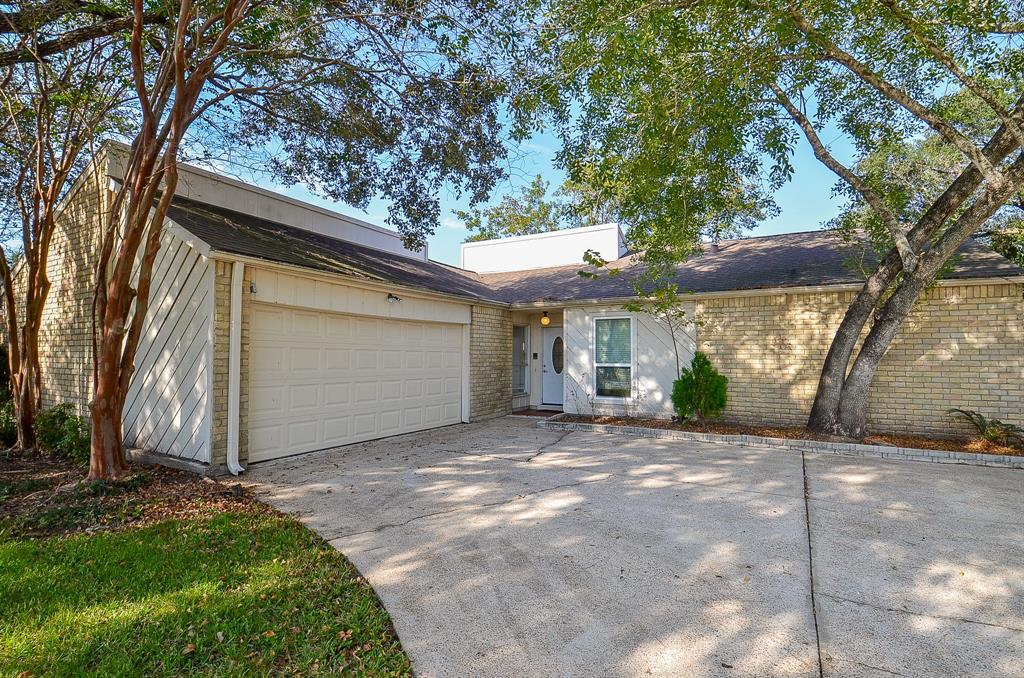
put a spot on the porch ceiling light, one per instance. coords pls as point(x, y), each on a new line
point(545, 320)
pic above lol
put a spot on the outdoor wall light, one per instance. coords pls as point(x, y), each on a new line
point(545, 320)
point(392, 298)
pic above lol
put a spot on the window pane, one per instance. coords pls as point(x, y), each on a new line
point(557, 355)
point(613, 341)
point(518, 359)
point(614, 382)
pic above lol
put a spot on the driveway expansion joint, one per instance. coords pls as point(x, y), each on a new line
point(810, 561)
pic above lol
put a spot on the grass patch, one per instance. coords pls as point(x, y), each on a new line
point(159, 583)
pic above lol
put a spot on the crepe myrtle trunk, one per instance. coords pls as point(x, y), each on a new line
point(106, 459)
point(23, 353)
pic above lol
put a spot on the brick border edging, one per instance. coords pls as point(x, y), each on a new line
point(849, 449)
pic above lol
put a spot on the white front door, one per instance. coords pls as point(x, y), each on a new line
point(552, 365)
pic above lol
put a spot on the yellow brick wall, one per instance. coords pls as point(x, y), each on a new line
point(65, 343)
point(221, 333)
point(963, 346)
point(490, 360)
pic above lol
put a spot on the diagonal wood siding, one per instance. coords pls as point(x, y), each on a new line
point(167, 409)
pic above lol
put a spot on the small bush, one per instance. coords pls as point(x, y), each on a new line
point(992, 430)
point(700, 391)
point(60, 431)
point(8, 426)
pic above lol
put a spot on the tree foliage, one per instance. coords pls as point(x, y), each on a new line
point(53, 110)
point(689, 113)
point(529, 211)
point(525, 212)
point(355, 100)
point(910, 174)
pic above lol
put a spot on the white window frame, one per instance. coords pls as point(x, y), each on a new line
point(632, 358)
point(527, 332)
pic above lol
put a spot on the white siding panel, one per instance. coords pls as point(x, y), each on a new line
point(654, 370)
point(277, 287)
point(167, 408)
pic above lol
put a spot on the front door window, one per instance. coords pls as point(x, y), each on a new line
point(558, 355)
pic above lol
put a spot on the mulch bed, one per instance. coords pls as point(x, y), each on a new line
point(43, 495)
point(978, 445)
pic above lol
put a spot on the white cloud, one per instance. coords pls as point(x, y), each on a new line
point(453, 224)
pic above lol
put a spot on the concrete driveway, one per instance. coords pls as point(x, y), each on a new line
point(504, 550)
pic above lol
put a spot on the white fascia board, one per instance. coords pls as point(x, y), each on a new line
point(355, 280)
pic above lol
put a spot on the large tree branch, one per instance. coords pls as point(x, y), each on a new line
point(875, 201)
point(943, 57)
point(74, 37)
point(900, 98)
point(31, 19)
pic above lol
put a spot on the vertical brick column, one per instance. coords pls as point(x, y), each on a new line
point(490, 369)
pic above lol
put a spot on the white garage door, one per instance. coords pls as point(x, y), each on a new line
point(318, 380)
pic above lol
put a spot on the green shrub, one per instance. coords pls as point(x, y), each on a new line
point(60, 431)
point(8, 426)
point(992, 430)
point(700, 391)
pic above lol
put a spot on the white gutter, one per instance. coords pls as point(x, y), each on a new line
point(234, 365)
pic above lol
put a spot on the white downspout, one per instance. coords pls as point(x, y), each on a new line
point(234, 365)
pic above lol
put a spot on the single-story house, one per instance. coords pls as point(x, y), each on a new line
point(278, 327)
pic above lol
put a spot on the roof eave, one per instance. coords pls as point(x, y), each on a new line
point(223, 255)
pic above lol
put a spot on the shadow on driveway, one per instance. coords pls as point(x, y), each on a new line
point(504, 550)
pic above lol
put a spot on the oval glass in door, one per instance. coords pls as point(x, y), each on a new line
point(557, 355)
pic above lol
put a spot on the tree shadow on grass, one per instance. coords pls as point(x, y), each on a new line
point(226, 594)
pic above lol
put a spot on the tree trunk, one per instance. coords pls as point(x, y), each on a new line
point(825, 417)
point(852, 405)
point(24, 414)
point(825, 410)
point(106, 459)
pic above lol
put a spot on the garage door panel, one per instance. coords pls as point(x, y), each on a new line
point(337, 394)
point(392, 360)
point(337, 359)
point(304, 397)
point(367, 328)
point(336, 430)
point(305, 359)
point(321, 379)
point(368, 359)
point(364, 424)
point(338, 327)
point(365, 393)
point(264, 400)
point(305, 324)
point(267, 320)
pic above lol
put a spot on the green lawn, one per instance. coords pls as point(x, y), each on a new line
point(241, 591)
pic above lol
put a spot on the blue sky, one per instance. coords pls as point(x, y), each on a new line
point(806, 202)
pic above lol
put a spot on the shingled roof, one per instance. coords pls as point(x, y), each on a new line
point(814, 258)
point(233, 232)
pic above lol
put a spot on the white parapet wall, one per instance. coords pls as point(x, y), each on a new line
point(543, 250)
point(215, 189)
